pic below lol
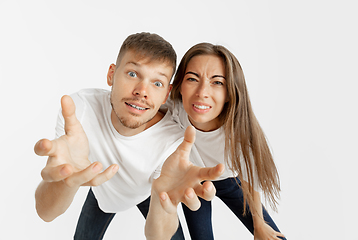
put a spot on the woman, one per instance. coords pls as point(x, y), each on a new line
point(210, 86)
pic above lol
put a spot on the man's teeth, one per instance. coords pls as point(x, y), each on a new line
point(136, 107)
point(201, 106)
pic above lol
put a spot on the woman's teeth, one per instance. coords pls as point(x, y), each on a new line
point(201, 106)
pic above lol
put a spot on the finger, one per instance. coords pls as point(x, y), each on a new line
point(206, 191)
point(79, 178)
point(191, 200)
point(211, 173)
point(68, 113)
point(189, 139)
point(55, 174)
point(103, 177)
point(166, 203)
point(44, 147)
point(280, 235)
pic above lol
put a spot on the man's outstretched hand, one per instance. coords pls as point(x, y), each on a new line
point(68, 155)
point(67, 167)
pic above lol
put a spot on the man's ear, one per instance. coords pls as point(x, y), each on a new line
point(169, 89)
point(110, 74)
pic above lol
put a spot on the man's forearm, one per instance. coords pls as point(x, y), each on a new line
point(53, 199)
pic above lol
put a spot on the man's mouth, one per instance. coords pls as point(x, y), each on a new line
point(136, 107)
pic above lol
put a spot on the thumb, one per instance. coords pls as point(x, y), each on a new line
point(189, 134)
point(189, 139)
point(68, 112)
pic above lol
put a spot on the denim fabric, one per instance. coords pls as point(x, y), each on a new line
point(93, 222)
point(199, 222)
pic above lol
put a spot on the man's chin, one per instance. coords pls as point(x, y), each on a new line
point(133, 123)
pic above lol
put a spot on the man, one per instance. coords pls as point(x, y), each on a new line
point(121, 131)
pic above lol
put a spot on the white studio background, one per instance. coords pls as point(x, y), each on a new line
point(299, 59)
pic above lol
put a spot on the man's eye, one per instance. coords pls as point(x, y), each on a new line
point(132, 74)
point(158, 84)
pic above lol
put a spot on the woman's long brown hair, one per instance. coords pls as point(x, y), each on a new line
point(244, 137)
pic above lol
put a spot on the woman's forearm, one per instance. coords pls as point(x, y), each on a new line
point(160, 225)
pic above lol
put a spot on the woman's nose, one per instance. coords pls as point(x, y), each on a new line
point(202, 90)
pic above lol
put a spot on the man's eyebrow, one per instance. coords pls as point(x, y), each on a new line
point(134, 63)
point(138, 64)
point(165, 75)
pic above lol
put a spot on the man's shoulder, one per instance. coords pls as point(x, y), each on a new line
point(90, 96)
point(91, 101)
point(90, 92)
point(166, 129)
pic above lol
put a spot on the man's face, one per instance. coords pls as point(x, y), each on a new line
point(139, 87)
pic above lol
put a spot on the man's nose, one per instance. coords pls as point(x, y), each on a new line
point(141, 89)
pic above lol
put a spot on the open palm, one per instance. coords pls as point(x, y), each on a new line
point(68, 155)
point(181, 180)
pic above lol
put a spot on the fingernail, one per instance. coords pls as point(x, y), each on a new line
point(96, 167)
point(221, 170)
point(209, 188)
point(190, 195)
point(163, 197)
point(115, 168)
point(64, 171)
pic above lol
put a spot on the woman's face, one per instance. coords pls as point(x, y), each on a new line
point(204, 91)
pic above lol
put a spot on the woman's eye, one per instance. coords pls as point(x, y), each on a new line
point(132, 74)
point(191, 79)
point(158, 84)
point(218, 83)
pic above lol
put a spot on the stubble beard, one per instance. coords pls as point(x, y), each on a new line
point(130, 122)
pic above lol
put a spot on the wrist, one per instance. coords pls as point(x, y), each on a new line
point(258, 221)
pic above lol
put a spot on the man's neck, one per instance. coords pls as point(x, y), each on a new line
point(156, 119)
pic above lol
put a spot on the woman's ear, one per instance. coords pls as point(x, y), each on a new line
point(110, 74)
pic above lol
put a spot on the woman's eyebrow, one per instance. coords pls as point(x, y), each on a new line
point(215, 76)
point(192, 73)
point(220, 76)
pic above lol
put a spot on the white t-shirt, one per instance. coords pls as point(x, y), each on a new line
point(140, 157)
point(209, 145)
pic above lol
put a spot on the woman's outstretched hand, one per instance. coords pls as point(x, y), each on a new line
point(180, 181)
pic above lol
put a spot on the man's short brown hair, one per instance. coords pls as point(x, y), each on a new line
point(149, 45)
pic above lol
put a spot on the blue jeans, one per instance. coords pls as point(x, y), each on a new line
point(228, 190)
point(93, 222)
